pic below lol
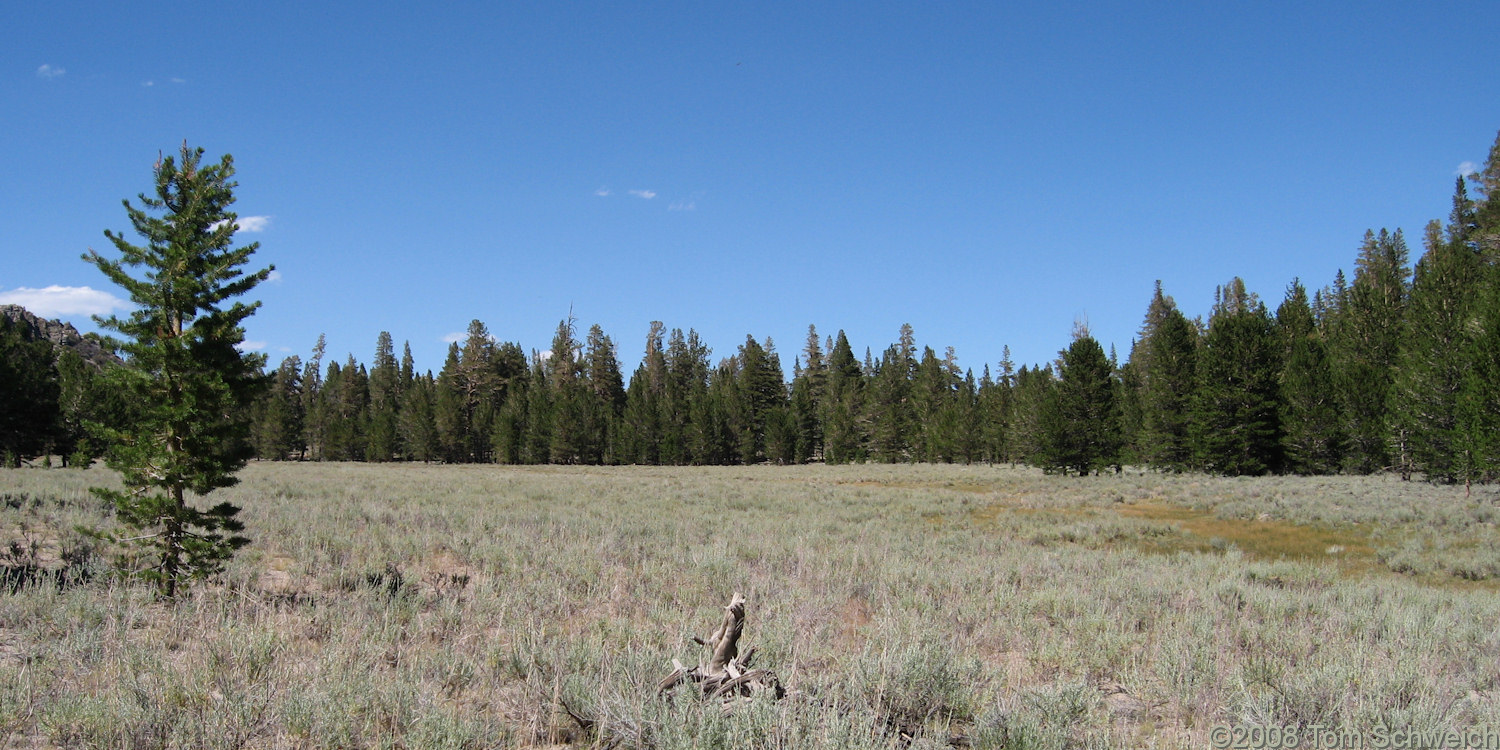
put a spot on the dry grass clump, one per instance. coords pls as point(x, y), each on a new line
point(921, 606)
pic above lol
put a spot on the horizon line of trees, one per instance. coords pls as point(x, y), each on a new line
point(1396, 370)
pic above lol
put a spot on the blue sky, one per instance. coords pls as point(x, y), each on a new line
point(987, 172)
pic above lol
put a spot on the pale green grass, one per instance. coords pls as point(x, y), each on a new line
point(458, 606)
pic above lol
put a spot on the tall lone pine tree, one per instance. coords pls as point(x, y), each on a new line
point(183, 368)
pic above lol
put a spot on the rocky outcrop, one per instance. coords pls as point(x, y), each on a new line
point(61, 335)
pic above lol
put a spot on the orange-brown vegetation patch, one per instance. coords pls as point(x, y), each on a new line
point(1263, 537)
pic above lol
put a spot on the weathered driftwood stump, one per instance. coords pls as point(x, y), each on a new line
point(725, 673)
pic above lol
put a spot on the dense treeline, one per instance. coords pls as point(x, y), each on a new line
point(50, 398)
point(1394, 370)
point(1398, 369)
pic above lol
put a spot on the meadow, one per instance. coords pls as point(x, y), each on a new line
point(417, 606)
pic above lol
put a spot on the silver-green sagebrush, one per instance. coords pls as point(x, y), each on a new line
point(458, 606)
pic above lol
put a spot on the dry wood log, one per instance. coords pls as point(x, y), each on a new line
point(724, 643)
point(725, 674)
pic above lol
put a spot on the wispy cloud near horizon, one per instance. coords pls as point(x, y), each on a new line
point(1466, 168)
point(647, 194)
point(64, 301)
point(47, 71)
point(603, 192)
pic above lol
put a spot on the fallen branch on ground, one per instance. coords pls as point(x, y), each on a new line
point(725, 674)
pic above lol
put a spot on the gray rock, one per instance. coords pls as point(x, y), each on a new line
point(61, 335)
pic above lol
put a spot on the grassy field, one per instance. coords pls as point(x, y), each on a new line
point(902, 606)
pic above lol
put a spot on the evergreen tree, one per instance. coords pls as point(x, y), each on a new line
point(687, 385)
point(1479, 394)
point(1311, 439)
point(1236, 428)
point(1080, 417)
point(346, 390)
point(804, 413)
point(337, 433)
point(638, 438)
point(780, 435)
point(82, 399)
point(606, 391)
point(889, 402)
point(1425, 409)
point(968, 439)
point(888, 406)
point(509, 434)
point(385, 402)
point(992, 417)
point(712, 438)
point(760, 389)
point(418, 420)
point(808, 388)
point(277, 432)
point(477, 381)
point(314, 412)
point(28, 394)
point(843, 434)
point(1029, 395)
point(995, 412)
point(571, 435)
point(643, 402)
point(184, 370)
point(1130, 394)
point(450, 417)
point(1165, 361)
point(408, 373)
point(1364, 341)
point(539, 416)
point(1484, 238)
point(934, 397)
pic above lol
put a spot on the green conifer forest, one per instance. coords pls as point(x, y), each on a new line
point(1395, 371)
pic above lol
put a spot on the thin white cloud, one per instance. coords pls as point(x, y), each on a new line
point(253, 223)
point(47, 71)
point(683, 206)
point(274, 277)
point(1466, 168)
point(250, 346)
point(247, 224)
point(64, 301)
point(178, 80)
point(602, 192)
point(148, 84)
point(647, 194)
